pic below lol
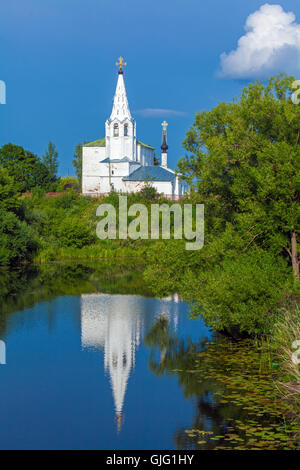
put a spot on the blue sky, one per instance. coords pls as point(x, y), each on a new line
point(57, 58)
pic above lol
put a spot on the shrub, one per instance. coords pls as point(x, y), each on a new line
point(66, 200)
point(74, 232)
point(64, 183)
point(149, 192)
point(17, 240)
point(241, 294)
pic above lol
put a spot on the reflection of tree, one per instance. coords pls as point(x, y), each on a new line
point(171, 355)
point(20, 289)
point(176, 355)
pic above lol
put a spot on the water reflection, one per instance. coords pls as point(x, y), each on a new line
point(117, 324)
point(168, 373)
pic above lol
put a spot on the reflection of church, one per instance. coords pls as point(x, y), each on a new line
point(116, 324)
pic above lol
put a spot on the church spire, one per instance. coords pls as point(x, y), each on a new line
point(164, 146)
point(120, 109)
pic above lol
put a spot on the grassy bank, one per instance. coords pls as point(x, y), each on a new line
point(285, 346)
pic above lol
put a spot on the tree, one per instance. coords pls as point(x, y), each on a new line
point(25, 167)
point(244, 161)
point(18, 241)
point(77, 161)
point(155, 161)
point(9, 194)
point(50, 160)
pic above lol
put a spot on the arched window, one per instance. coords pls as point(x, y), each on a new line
point(116, 130)
point(125, 129)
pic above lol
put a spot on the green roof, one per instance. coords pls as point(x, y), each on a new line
point(101, 143)
point(144, 145)
point(96, 143)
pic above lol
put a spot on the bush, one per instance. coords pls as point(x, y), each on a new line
point(149, 193)
point(66, 200)
point(67, 181)
point(17, 240)
point(74, 232)
point(240, 295)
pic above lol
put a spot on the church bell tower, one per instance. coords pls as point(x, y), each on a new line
point(120, 128)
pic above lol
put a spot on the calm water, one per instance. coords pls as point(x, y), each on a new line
point(85, 371)
point(95, 362)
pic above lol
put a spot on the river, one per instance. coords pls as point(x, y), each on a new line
point(93, 361)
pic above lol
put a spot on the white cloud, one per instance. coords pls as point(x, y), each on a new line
point(158, 112)
point(271, 45)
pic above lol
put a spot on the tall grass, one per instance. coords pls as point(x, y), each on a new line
point(286, 332)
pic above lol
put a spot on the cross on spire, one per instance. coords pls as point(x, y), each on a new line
point(121, 64)
point(164, 145)
point(164, 126)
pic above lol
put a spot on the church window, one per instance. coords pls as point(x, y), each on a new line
point(116, 130)
point(126, 129)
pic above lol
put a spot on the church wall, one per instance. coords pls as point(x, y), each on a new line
point(91, 156)
point(116, 169)
point(90, 184)
point(145, 155)
point(161, 186)
point(100, 185)
point(164, 187)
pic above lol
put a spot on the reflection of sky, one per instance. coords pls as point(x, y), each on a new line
point(53, 390)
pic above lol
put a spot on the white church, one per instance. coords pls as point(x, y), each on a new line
point(119, 162)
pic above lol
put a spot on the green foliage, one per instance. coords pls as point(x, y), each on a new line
point(77, 161)
point(245, 163)
point(155, 161)
point(17, 239)
point(26, 168)
point(65, 201)
point(66, 183)
point(50, 160)
point(9, 195)
point(72, 232)
point(63, 221)
point(148, 192)
point(239, 295)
